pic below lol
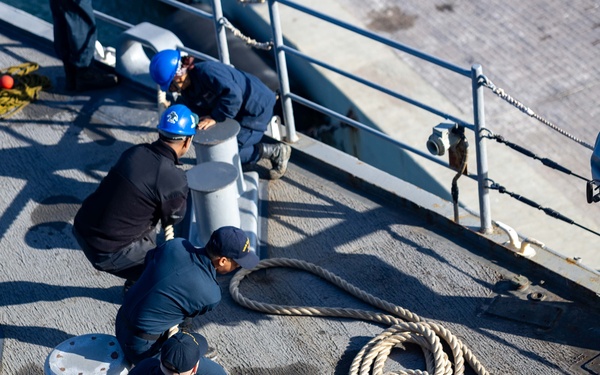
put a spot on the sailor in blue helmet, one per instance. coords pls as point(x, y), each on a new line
point(216, 91)
point(182, 354)
point(117, 224)
point(178, 284)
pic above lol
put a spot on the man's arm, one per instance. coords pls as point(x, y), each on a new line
point(173, 210)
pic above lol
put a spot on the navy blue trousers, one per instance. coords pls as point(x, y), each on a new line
point(247, 139)
point(127, 263)
point(74, 31)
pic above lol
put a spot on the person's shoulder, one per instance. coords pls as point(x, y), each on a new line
point(136, 149)
point(208, 67)
point(148, 366)
point(178, 243)
point(209, 64)
point(140, 146)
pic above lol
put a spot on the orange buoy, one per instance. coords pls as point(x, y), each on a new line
point(7, 81)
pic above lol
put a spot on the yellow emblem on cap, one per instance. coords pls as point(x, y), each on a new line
point(246, 245)
point(193, 338)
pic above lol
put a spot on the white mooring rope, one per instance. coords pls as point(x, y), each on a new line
point(405, 327)
point(169, 233)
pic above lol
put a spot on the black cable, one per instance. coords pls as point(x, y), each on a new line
point(547, 211)
point(547, 162)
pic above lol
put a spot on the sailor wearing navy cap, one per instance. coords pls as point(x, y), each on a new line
point(178, 283)
point(183, 354)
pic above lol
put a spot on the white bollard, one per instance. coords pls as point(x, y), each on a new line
point(219, 143)
point(91, 354)
point(214, 197)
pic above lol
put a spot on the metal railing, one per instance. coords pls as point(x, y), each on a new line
point(287, 96)
point(281, 50)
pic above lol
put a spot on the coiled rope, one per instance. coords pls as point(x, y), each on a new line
point(25, 90)
point(405, 326)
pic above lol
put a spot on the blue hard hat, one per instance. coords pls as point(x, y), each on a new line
point(178, 121)
point(163, 67)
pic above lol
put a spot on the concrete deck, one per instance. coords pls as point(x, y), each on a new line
point(381, 234)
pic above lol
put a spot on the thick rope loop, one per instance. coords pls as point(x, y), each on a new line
point(25, 90)
point(374, 354)
point(405, 326)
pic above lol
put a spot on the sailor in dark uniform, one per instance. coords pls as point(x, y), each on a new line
point(75, 36)
point(216, 91)
point(182, 354)
point(117, 224)
point(178, 284)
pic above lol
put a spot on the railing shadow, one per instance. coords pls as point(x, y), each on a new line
point(392, 254)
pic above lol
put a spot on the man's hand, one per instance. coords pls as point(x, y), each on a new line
point(206, 122)
point(165, 103)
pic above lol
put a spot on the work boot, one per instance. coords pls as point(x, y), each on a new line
point(88, 78)
point(278, 154)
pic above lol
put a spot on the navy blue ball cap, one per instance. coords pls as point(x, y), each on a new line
point(232, 242)
point(182, 351)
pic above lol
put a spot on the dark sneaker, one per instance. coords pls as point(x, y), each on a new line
point(92, 78)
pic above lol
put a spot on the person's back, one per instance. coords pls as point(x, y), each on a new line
point(116, 224)
point(178, 282)
point(217, 91)
point(131, 199)
point(221, 91)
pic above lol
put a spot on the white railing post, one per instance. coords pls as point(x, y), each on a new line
point(481, 150)
point(222, 46)
point(282, 73)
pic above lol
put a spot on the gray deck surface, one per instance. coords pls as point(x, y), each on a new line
point(55, 152)
point(542, 53)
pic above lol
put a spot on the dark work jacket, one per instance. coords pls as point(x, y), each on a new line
point(144, 187)
point(221, 91)
point(179, 282)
